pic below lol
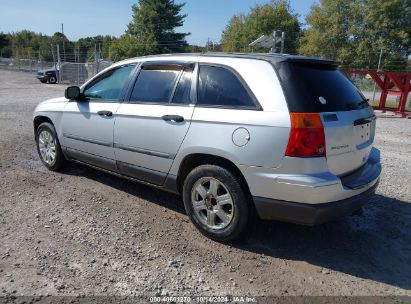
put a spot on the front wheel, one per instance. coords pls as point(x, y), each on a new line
point(215, 202)
point(52, 79)
point(48, 147)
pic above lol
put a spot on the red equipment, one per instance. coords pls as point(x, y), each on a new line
point(386, 81)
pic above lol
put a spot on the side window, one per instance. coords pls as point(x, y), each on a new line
point(218, 86)
point(108, 87)
point(182, 93)
point(155, 84)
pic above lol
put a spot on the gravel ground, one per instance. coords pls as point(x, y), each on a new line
point(83, 232)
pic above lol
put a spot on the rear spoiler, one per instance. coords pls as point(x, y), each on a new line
point(312, 61)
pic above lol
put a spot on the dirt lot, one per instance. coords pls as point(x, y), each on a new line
point(83, 232)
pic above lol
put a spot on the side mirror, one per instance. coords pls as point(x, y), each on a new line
point(72, 93)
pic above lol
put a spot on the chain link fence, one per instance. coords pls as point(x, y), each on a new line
point(68, 72)
point(26, 65)
point(78, 73)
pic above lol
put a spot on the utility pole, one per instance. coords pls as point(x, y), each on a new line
point(375, 85)
point(64, 49)
point(58, 64)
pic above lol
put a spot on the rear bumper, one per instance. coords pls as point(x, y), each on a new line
point(312, 198)
point(296, 181)
point(310, 214)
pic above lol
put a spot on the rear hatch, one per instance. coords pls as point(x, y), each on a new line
point(348, 120)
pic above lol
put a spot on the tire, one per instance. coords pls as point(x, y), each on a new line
point(206, 187)
point(48, 147)
point(43, 81)
point(52, 79)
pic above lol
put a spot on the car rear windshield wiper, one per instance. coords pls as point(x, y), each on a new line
point(366, 100)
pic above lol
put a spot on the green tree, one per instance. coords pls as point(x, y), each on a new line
point(35, 46)
point(152, 29)
point(354, 32)
point(192, 48)
point(128, 46)
point(383, 25)
point(24, 44)
point(66, 47)
point(236, 36)
point(5, 48)
point(242, 29)
point(86, 47)
point(329, 34)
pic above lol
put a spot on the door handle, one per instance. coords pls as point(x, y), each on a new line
point(176, 118)
point(105, 113)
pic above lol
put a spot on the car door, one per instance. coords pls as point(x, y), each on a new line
point(151, 126)
point(87, 125)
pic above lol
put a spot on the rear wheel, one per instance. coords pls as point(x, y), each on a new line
point(215, 202)
point(43, 81)
point(48, 147)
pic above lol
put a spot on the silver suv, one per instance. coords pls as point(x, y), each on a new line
point(289, 137)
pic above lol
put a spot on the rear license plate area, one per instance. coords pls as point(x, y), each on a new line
point(363, 132)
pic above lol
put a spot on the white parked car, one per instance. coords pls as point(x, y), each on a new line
point(288, 136)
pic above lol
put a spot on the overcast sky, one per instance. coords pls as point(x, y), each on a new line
point(83, 18)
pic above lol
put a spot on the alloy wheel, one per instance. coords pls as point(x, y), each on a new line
point(212, 203)
point(47, 147)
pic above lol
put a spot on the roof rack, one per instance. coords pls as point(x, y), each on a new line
point(270, 57)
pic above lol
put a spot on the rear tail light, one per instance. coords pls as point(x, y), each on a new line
point(307, 137)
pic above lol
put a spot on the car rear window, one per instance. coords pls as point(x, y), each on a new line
point(218, 86)
point(318, 88)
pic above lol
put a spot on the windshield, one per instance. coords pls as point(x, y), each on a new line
point(318, 88)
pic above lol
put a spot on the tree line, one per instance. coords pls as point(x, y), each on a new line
point(354, 32)
point(30, 45)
